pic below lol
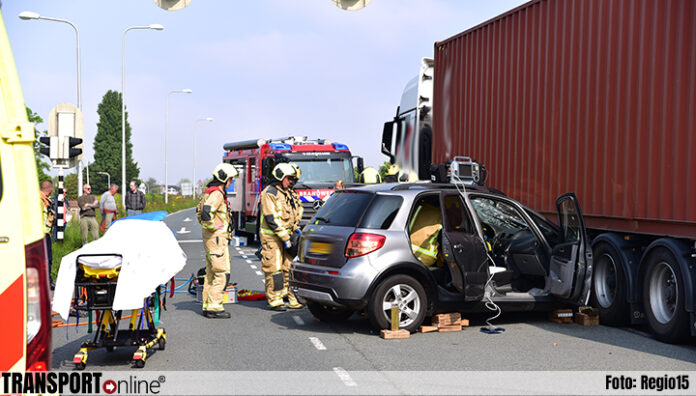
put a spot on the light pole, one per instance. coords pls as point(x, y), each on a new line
point(194, 151)
point(108, 179)
point(123, 104)
point(166, 134)
point(29, 15)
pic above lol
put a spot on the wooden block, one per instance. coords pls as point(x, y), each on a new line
point(391, 335)
point(464, 322)
point(447, 319)
point(587, 317)
point(427, 329)
point(443, 328)
point(561, 316)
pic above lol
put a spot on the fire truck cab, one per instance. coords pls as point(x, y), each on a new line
point(321, 161)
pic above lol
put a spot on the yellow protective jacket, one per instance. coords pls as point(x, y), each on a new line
point(298, 210)
point(424, 228)
point(212, 211)
point(277, 212)
point(49, 215)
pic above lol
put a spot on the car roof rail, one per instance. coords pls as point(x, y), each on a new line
point(408, 186)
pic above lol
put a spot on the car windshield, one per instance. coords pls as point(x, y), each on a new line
point(325, 170)
point(343, 209)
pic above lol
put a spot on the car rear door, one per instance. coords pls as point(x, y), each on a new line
point(463, 249)
point(570, 270)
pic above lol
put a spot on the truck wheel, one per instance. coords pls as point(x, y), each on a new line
point(663, 297)
point(328, 314)
point(609, 286)
point(400, 291)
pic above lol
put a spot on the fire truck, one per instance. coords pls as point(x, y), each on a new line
point(321, 161)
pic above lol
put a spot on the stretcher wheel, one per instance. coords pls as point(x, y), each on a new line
point(81, 365)
point(139, 363)
point(161, 343)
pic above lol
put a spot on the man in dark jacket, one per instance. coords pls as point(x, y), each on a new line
point(135, 200)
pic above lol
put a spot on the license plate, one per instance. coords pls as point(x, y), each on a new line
point(320, 248)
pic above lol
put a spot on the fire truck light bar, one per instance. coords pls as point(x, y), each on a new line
point(280, 146)
point(340, 147)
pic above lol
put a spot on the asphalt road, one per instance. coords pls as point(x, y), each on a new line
point(258, 339)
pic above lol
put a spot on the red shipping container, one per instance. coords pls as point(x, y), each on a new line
point(597, 97)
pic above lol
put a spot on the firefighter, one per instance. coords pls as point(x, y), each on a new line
point(212, 213)
point(278, 215)
point(392, 174)
point(370, 175)
point(299, 210)
point(424, 229)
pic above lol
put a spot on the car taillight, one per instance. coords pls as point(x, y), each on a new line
point(38, 308)
point(360, 244)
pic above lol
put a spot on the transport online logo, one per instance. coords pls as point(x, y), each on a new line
point(85, 383)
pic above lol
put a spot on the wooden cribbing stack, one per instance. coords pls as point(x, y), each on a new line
point(445, 322)
point(394, 333)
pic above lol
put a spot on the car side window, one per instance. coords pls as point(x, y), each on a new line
point(381, 212)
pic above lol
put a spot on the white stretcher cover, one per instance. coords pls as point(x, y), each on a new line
point(151, 256)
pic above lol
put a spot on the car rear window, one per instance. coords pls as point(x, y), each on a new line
point(381, 212)
point(343, 209)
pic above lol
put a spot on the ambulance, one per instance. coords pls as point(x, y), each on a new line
point(25, 316)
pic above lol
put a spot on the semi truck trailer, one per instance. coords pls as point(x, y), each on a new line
point(595, 97)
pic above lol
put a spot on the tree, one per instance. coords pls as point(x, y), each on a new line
point(150, 183)
point(107, 144)
point(42, 166)
point(384, 168)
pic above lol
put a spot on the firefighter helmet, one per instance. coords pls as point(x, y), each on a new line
point(298, 172)
point(224, 172)
point(370, 176)
point(283, 170)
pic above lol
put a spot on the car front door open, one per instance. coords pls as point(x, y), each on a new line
point(464, 251)
point(570, 270)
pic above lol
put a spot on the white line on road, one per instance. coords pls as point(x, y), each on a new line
point(248, 261)
point(259, 273)
point(298, 320)
point(245, 256)
point(344, 376)
point(253, 266)
point(183, 231)
point(317, 343)
point(187, 219)
point(190, 241)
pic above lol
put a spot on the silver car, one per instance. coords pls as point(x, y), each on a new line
point(355, 254)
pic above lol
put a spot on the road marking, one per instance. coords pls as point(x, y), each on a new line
point(248, 261)
point(317, 343)
point(298, 320)
point(253, 266)
point(344, 376)
point(245, 256)
point(263, 280)
point(183, 230)
point(187, 219)
point(259, 273)
point(190, 241)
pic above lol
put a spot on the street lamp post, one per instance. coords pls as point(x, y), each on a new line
point(166, 134)
point(108, 179)
point(28, 15)
point(194, 151)
point(123, 104)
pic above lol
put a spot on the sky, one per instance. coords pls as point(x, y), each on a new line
point(259, 68)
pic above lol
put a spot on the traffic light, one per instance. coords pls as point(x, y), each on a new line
point(45, 146)
point(72, 150)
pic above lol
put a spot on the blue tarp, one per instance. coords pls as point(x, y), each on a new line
point(154, 216)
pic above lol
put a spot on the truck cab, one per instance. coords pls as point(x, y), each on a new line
point(321, 162)
point(407, 139)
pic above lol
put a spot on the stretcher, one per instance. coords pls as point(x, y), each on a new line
point(95, 289)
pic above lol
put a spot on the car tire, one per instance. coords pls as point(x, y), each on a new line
point(411, 300)
point(663, 297)
point(329, 314)
point(609, 286)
